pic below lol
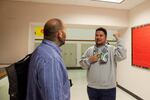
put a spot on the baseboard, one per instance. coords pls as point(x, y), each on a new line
point(129, 92)
point(74, 68)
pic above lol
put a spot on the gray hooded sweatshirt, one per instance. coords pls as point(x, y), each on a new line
point(102, 74)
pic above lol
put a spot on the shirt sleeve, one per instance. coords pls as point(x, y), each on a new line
point(120, 51)
point(84, 61)
point(49, 80)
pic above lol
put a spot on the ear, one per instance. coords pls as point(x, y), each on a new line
point(59, 34)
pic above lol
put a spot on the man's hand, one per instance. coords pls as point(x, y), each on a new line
point(93, 59)
point(116, 35)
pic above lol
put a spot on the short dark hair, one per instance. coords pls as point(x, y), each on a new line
point(51, 27)
point(103, 30)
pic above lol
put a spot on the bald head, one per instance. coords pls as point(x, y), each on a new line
point(51, 27)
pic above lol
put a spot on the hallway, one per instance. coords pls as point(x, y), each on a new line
point(78, 91)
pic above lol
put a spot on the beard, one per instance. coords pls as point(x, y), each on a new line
point(62, 41)
point(62, 38)
point(99, 43)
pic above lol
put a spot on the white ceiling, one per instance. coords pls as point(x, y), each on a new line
point(127, 4)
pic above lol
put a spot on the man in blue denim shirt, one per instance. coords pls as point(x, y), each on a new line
point(48, 78)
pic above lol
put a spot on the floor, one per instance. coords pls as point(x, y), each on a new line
point(78, 90)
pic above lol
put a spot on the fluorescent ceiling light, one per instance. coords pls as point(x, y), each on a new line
point(111, 1)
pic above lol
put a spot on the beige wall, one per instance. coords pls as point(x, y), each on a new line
point(15, 18)
point(137, 80)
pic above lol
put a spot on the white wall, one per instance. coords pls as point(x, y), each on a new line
point(16, 17)
point(137, 80)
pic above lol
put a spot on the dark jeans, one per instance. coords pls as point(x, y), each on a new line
point(101, 94)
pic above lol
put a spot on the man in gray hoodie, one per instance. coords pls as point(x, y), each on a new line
point(100, 61)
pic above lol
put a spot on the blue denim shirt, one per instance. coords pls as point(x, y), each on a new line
point(47, 77)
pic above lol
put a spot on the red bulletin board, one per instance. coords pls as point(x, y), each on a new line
point(141, 46)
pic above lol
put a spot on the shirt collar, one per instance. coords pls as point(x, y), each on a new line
point(53, 45)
